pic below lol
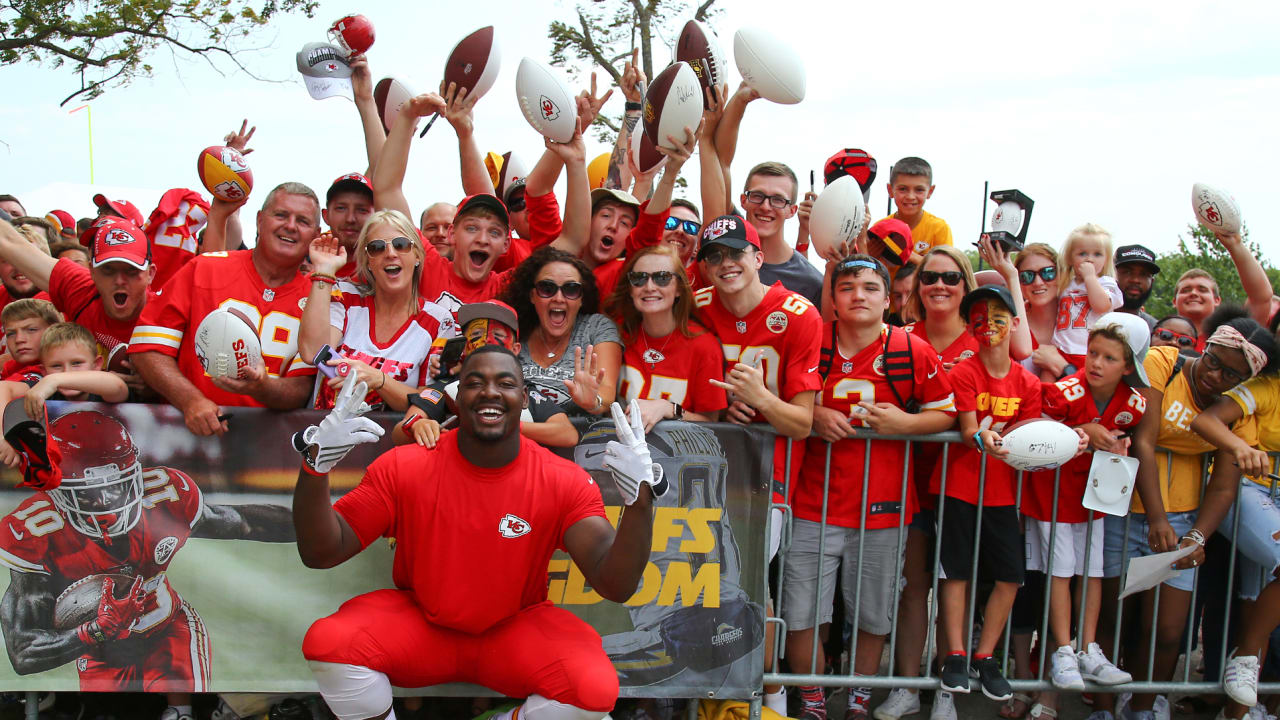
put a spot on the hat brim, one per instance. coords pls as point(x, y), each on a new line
point(620, 196)
point(486, 201)
point(729, 242)
point(322, 88)
point(1155, 269)
point(99, 262)
point(486, 311)
point(344, 186)
point(986, 292)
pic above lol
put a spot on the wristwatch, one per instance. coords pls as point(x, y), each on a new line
point(677, 411)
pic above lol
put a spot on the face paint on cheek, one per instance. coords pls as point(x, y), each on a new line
point(989, 322)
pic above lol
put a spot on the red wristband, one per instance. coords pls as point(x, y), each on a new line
point(409, 423)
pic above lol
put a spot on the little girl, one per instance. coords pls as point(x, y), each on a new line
point(1086, 291)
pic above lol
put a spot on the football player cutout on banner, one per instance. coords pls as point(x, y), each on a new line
point(476, 521)
point(89, 559)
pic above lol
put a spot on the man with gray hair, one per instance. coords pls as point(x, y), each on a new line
point(264, 284)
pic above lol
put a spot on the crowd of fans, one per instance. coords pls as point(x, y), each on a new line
point(707, 312)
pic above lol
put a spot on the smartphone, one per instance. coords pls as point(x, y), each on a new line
point(321, 361)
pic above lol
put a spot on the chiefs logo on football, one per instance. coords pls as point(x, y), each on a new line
point(511, 526)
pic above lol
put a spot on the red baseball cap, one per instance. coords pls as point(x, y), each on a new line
point(855, 162)
point(730, 231)
point(120, 241)
point(486, 201)
point(120, 208)
point(351, 182)
point(63, 220)
point(890, 240)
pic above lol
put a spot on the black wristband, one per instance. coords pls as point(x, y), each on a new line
point(678, 411)
point(632, 106)
point(1068, 371)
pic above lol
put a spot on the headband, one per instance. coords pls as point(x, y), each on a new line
point(1227, 336)
point(851, 264)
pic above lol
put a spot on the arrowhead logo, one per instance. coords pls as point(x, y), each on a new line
point(511, 526)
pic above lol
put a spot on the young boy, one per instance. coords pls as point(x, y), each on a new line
point(1101, 401)
point(910, 185)
point(991, 393)
point(24, 322)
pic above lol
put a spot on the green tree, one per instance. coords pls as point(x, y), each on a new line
point(1200, 249)
point(107, 42)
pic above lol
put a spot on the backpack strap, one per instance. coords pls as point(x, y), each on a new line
point(1177, 368)
point(899, 366)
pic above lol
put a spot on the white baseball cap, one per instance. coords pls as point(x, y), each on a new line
point(1138, 336)
point(325, 70)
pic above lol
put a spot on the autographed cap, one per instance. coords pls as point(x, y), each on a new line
point(622, 196)
point(853, 162)
point(120, 241)
point(730, 231)
point(119, 208)
point(325, 70)
point(1137, 334)
point(65, 224)
point(1136, 254)
point(890, 240)
point(351, 182)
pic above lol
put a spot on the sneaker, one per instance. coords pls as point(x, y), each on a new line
point(1160, 706)
point(900, 703)
point(953, 677)
point(944, 707)
point(809, 712)
point(1240, 679)
point(1065, 673)
point(993, 683)
point(1100, 715)
point(1095, 666)
point(857, 712)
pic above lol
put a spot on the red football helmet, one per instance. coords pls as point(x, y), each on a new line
point(352, 33)
point(101, 490)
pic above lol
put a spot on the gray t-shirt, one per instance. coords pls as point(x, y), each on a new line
point(549, 381)
point(798, 275)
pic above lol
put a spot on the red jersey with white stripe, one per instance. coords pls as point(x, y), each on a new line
point(871, 375)
point(783, 336)
point(926, 454)
point(675, 368)
point(1070, 401)
point(221, 280)
point(449, 517)
point(441, 284)
point(74, 294)
point(403, 356)
point(38, 539)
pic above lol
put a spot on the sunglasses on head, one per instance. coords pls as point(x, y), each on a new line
point(571, 290)
point(690, 227)
point(1047, 274)
point(662, 278)
point(377, 247)
point(715, 257)
point(1171, 336)
point(950, 277)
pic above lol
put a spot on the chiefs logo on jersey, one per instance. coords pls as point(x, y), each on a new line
point(1124, 417)
point(164, 549)
point(776, 322)
point(511, 526)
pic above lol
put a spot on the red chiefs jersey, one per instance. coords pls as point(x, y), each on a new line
point(674, 368)
point(402, 357)
point(74, 294)
point(998, 403)
point(871, 375)
point(472, 543)
point(962, 348)
point(25, 374)
point(927, 455)
point(442, 285)
point(174, 228)
point(783, 335)
point(38, 539)
point(220, 280)
point(1070, 401)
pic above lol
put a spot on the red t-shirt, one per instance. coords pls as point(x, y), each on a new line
point(5, 299)
point(217, 280)
point(917, 375)
point(927, 455)
point(28, 375)
point(75, 295)
point(1070, 401)
point(472, 543)
point(783, 333)
point(442, 285)
point(674, 368)
point(999, 403)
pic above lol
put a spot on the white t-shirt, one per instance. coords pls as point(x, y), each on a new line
point(1075, 317)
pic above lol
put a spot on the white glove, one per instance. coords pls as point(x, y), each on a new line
point(342, 429)
point(628, 456)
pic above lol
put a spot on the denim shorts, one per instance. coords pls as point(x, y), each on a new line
point(1115, 551)
point(1257, 540)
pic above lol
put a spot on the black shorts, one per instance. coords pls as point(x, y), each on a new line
point(1001, 554)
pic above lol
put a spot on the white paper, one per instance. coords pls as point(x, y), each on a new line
point(1148, 572)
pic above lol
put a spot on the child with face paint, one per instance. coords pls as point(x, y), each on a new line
point(991, 392)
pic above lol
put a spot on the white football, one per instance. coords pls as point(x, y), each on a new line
point(1215, 209)
point(1039, 444)
point(699, 46)
point(227, 343)
point(837, 215)
point(672, 103)
point(643, 151)
point(769, 66)
point(546, 100)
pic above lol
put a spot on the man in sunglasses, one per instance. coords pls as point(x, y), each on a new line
point(681, 229)
point(1136, 270)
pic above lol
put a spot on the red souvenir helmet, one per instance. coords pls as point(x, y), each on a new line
point(352, 33)
point(101, 490)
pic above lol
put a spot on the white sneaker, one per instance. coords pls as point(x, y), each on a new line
point(1240, 679)
point(1095, 666)
point(944, 708)
point(900, 703)
point(1160, 706)
point(1066, 670)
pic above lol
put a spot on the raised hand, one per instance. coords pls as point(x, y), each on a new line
point(628, 458)
point(327, 254)
point(424, 105)
point(460, 108)
point(588, 373)
point(677, 156)
point(240, 140)
point(633, 79)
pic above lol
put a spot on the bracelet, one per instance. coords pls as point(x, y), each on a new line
point(598, 406)
point(678, 411)
point(324, 278)
point(1194, 536)
point(409, 423)
point(632, 106)
point(383, 384)
point(977, 440)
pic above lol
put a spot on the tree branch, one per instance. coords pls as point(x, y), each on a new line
point(701, 14)
point(589, 44)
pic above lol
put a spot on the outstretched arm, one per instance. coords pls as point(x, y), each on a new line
point(632, 86)
point(460, 112)
point(711, 174)
point(1257, 286)
point(375, 136)
point(161, 372)
point(25, 257)
point(262, 522)
point(388, 174)
point(26, 614)
point(730, 124)
point(613, 562)
point(324, 537)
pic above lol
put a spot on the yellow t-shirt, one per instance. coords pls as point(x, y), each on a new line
point(1260, 398)
point(1180, 479)
point(930, 233)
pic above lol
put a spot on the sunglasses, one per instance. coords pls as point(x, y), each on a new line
point(1047, 274)
point(1185, 341)
point(571, 290)
point(690, 227)
point(662, 278)
point(777, 202)
point(715, 257)
point(377, 247)
point(950, 277)
point(516, 204)
point(1215, 364)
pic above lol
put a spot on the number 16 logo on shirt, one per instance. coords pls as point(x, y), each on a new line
point(511, 526)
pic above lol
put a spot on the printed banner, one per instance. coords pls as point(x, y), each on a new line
point(205, 524)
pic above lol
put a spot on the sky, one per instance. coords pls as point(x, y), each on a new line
point(1100, 111)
